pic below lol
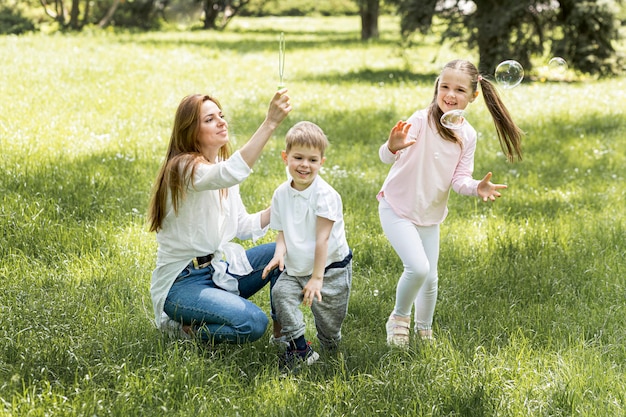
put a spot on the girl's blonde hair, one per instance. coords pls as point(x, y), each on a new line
point(306, 134)
point(183, 155)
point(509, 134)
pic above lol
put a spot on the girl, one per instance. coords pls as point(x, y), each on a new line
point(202, 278)
point(428, 159)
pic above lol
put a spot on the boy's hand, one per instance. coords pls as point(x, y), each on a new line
point(312, 289)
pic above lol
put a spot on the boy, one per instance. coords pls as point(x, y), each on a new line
point(311, 248)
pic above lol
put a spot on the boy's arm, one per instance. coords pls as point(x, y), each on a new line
point(313, 288)
point(279, 255)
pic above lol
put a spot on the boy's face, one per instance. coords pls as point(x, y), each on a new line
point(303, 164)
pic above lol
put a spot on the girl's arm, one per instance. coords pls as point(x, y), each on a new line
point(462, 180)
point(313, 288)
point(398, 140)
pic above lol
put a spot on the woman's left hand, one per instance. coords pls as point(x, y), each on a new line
point(487, 190)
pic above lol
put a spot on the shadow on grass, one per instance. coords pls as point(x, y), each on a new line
point(381, 77)
point(251, 42)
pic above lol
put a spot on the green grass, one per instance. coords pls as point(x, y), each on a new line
point(531, 316)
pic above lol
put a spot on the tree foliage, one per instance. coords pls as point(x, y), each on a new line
point(217, 13)
point(582, 32)
point(589, 29)
point(13, 22)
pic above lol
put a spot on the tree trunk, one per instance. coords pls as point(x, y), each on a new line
point(106, 20)
point(492, 36)
point(59, 11)
point(73, 24)
point(211, 10)
point(369, 10)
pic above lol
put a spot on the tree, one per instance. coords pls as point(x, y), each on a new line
point(589, 27)
point(14, 22)
point(224, 10)
point(510, 29)
point(126, 13)
point(106, 20)
point(579, 31)
point(57, 10)
point(369, 11)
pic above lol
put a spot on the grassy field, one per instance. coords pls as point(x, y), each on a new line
point(531, 317)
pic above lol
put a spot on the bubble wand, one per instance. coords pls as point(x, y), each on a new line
point(281, 60)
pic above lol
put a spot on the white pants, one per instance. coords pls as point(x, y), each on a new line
point(418, 248)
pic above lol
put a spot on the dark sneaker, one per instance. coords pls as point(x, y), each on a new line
point(293, 358)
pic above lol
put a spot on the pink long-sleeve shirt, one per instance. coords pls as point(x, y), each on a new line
point(418, 184)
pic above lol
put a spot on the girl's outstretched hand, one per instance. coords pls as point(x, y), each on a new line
point(487, 190)
point(398, 137)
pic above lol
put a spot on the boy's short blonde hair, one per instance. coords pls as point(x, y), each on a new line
point(306, 134)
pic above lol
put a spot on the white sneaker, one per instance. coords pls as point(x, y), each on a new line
point(173, 328)
point(398, 331)
point(425, 335)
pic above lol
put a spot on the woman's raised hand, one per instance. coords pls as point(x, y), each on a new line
point(278, 110)
point(280, 106)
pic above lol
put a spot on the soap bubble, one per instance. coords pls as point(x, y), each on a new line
point(509, 73)
point(557, 66)
point(453, 119)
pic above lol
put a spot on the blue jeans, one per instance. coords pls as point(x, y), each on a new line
point(218, 316)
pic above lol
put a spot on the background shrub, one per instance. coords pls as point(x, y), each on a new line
point(12, 22)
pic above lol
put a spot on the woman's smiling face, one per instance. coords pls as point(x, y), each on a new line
point(213, 133)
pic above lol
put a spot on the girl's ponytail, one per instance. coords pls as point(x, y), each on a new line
point(509, 134)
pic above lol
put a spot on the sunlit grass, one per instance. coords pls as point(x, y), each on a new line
point(530, 319)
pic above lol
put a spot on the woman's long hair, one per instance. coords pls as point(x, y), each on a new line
point(183, 155)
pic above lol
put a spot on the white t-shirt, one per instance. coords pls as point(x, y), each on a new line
point(206, 224)
point(295, 213)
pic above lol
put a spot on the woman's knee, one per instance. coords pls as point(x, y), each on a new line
point(257, 326)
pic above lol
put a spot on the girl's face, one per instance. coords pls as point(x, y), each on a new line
point(454, 90)
point(303, 164)
point(213, 133)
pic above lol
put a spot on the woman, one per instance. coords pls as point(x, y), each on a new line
point(202, 279)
